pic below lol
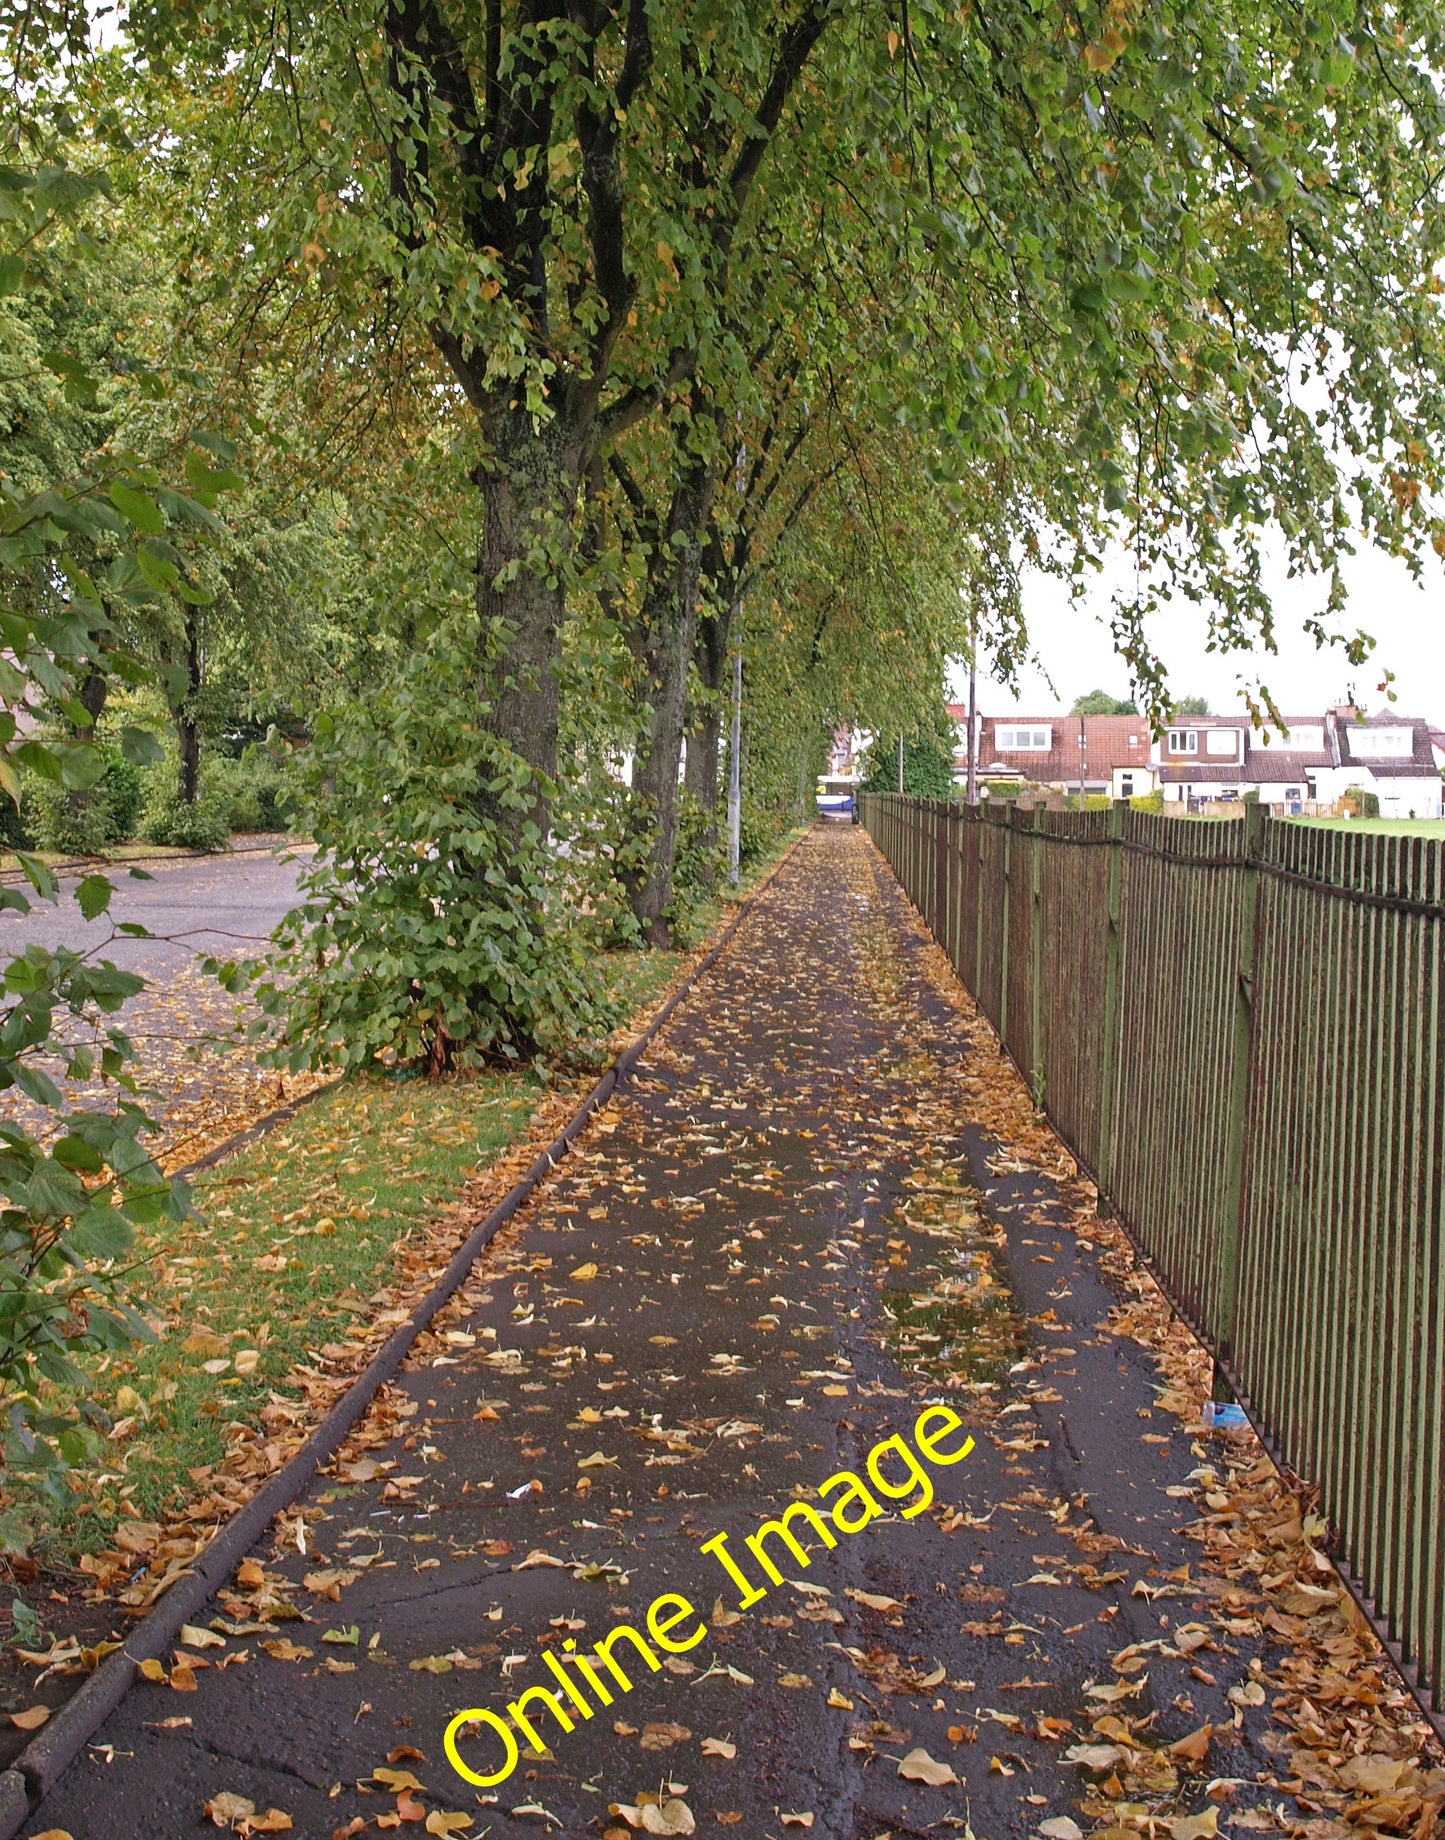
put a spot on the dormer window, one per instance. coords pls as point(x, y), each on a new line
point(1184, 741)
point(1024, 740)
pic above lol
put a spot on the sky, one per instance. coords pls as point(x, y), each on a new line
point(1075, 653)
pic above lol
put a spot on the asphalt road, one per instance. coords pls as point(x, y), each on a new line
point(772, 1254)
point(222, 904)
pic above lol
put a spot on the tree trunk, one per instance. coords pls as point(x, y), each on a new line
point(664, 649)
point(529, 489)
point(186, 714)
point(704, 741)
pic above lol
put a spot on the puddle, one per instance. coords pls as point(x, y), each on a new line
point(951, 1315)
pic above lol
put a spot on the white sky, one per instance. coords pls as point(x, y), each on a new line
point(1075, 651)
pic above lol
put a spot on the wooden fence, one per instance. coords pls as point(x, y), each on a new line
point(1235, 1025)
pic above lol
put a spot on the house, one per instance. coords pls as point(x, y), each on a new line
point(1111, 754)
point(1198, 759)
point(1202, 757)
point(1314, 758)
point(1389, 755)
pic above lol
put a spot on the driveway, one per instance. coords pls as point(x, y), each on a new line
point(196, 1064)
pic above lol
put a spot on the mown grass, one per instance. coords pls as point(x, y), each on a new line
point(335, 1193)
point(1379, 827)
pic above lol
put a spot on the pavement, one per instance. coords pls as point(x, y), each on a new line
point(196, 1064)
point(225, 904)
point(788, 1238)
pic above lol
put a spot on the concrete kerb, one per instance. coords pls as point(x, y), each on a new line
point(40, 1765)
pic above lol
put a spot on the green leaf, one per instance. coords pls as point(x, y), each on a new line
point(207, 478)
point(75, 1153)
point(12, 273)
point(93, 892)
point(81, 766)
point(138, 507)
point(140, 747)
point(158, 570)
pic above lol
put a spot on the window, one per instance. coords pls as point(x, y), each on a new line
point(1292, 792)
point(1221, 741)
point(1024, 740)
point(1303, 738)
point(1184, 741)
point(1379, 743)
point(1126, 785)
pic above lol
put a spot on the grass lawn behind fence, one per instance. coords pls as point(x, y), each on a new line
point(1379, 827)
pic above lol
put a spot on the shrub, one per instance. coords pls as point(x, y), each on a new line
point(427, 936)
point(55, 817)
point(168, 819)
point(255, 789)
point(58, 819)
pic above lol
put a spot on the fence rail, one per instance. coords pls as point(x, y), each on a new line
point(1235, 1025)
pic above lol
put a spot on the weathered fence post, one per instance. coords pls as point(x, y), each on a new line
point(1241, 1083)
point(1004, 924)
point(978, 886)
point(1104, 1156)
point(1038, 1074)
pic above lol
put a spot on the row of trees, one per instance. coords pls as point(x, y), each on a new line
point(584, 344)
point(467, 385)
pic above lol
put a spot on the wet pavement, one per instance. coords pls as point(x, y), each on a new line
point(783, 1243)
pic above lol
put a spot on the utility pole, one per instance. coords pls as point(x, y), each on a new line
point(900, 760)
point(1081, 762)
point(735, 748)
point(973, 712)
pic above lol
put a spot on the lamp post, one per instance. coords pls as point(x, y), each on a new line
point(735, 764)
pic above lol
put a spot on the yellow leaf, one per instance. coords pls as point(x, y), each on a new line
point(438, 1822)
point(397, 1781)
point(152, 1670)
point(583, 1272)
point(840, 1700)
point(1098, 57)
point(31, 1720)
point(918, 1766)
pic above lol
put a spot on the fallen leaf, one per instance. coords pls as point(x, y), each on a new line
point(1195, 1826)
point(274, 1821)
point(32, 1719)
point(1061, 1828)
point(596, 1461)
point(719, 1747)
point(284, 1649)
point(655, 1816)
point(1194, 1748)
point(397, 1781)
point(250, 1576)
point(918, 1766)
point(151, 1669)
point(183, 1679)
point(658, 1737)
point(873, 1599)
point(1094, 1756)
point(439, 1823)
point(794, 1680)
point(225, 1809)
point(193, 1637)
point(535, 1558)
point(796, 1820)
point(584, 1272)
point(841, 1700)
